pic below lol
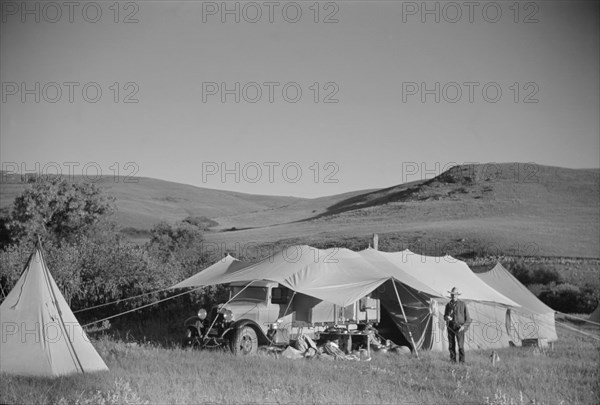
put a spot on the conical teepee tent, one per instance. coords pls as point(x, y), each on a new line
point(40, 334)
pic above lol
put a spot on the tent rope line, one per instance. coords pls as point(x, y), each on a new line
point(540, 321)
point(138, 308)
point(564, 325)
point(121, 300)
point(578, 318)
point(223, 306)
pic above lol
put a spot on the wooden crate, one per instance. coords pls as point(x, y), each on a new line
point(542, 343)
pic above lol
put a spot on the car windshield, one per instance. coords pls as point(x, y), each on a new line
point(250, 293)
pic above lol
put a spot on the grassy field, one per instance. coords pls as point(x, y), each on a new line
point(149, 374)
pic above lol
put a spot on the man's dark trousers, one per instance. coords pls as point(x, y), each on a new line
point(455, 336)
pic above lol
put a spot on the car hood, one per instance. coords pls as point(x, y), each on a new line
point(245, 309)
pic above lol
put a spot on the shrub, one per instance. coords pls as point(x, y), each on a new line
point(521, 273)
point(569, 298)
point(546, 276)
point(535, 274)
point(201, 222)
point(537, 289)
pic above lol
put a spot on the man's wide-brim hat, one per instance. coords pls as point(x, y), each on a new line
point(454, 291)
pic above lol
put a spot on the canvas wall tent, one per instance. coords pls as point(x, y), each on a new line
point(342, 276)
point(40, 334)
point(533, 319)
point(487, 307)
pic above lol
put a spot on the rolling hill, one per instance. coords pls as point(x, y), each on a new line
point(517, 209)
point(142, 203)
point(510, 208)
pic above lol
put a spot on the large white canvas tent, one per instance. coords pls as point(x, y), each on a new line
point(487, 307)
point(342, 277)
point(533, 319)
point(40, 334)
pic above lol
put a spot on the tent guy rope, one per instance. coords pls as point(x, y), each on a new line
point(137, 309)
point(121, 300)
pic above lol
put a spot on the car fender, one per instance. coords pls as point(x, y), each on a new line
point(262, 338)
point(192, 324)
point(192, 320)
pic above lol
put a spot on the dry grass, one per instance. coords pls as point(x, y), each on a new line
point(148, 374)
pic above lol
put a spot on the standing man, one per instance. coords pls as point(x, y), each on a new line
point(457, 320)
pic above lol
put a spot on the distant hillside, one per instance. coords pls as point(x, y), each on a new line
point(516, 182)
point(519, 209)
point(510, 208)
point(295, 211)
point(147, 201)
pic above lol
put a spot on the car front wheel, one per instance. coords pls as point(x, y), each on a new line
point(245, 341)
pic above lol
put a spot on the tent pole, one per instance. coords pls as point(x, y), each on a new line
point(405, 320)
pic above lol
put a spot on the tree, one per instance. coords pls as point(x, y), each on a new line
point(5, 238)
point(58, 210)
point(521, 273)
point(201, 222)
point(179, 245)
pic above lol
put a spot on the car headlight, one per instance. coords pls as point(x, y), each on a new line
point(227, 315)
point(202, 314)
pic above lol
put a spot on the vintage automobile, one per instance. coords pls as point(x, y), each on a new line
point(265, 313)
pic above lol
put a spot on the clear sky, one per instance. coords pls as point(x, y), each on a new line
point(390, 91)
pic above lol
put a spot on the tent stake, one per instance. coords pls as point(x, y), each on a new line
point(405, 320)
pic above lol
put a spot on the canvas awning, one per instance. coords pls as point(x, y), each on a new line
point(214, 274)
point(336, 275)
point(342, 276)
